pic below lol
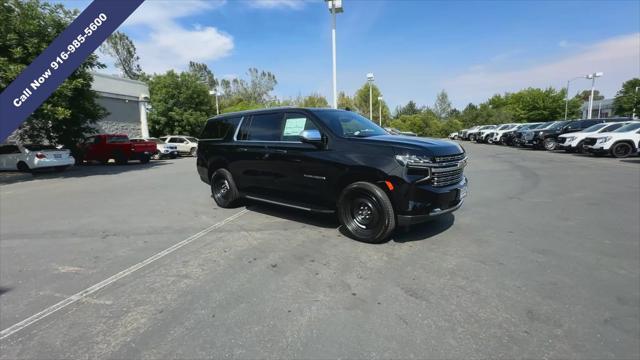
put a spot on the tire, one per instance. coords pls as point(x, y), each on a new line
point(120, 158)
point(621, 150)
point(580, 148)
point(550, 144)
point(223, 189)
point(174, 156)
point(193, 151)
point(472, 138)
point(366, 213)
point(23, 167)
point(144, 159)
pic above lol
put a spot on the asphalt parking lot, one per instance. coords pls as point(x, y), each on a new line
point(543, 261)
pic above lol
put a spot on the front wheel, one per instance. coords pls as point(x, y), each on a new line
point(550, 144)
point(223, 188)
point(366, 213)
point(193, 151)
point(621, 150)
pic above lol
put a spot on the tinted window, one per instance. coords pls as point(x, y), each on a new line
point(219, 128)
point(38, 147)
point(9, 149)
point(175, 140)
point(117, 139)
point(629, 127)
point(294, 124)
point(264, 127)
point(610, 127)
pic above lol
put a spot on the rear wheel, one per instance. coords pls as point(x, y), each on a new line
point(120, 158)
point(144, 159)
point(580, 147)
point(550, 144)
point(22, 166)
point(621, 150)
point(223, 188)
point(192, 152)
point(366, 213)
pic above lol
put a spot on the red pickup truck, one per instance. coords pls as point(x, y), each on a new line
point(118, 147)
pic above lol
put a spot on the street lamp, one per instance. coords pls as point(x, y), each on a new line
point(380, 110)
point(370, 79)
point(593, 86)
point(566, 101)
point(335, 7)
point(635, 102)
point(215, 93)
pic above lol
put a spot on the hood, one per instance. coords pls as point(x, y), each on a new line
point(425, 146)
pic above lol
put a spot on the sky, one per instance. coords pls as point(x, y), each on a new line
point(415, 48)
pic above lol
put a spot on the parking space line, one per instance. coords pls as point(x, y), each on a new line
point(90, 290)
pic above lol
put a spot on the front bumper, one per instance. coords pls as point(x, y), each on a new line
point(423, 202)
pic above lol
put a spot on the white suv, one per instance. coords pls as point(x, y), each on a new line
point(476, 134)
point(620, 143)
point(573, 142)
point(187, 145)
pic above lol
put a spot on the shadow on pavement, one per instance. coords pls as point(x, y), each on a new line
point(425, 230)
point(11, 177)
point(631, 161)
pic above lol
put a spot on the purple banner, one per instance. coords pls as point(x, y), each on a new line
point(56, 63)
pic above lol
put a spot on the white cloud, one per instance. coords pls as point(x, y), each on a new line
point(618, 58)
point(270, 4)
point(167, 44)
point(563, 43)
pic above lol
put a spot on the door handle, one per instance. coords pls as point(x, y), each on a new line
point(280, 151)
point(243, 149)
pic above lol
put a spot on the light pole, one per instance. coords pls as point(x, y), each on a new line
point(215, 93)
point(380, 110)
point(599, 108)
point(566, 101)
point(370, 79)
point(593, 87)
point(635, 102)
point(335, 7)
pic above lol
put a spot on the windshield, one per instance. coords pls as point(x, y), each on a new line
point(504, 127)
point(349, 124)
point(546, 125)
point(557, 125)
point(628, 127)
point(594, 128)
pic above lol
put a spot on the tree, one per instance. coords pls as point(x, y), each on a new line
point(204, 74)
point(313, 100)
point(346, 102)
point(361, 102)
point(123, 51)
point(27, 28)
point(442, 106)
point(410, 109)
point(180, 104)
point(586, 94)
point(254, 92)
point(627, 98)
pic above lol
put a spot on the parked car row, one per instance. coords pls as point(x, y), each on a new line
point(618, 137)
point(101, 148)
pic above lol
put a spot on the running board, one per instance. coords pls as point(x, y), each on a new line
point(322, 211)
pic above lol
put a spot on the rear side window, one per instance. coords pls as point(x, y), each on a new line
point(9, 149)
point(117, 139)
point(262, 127)
point(219, 128)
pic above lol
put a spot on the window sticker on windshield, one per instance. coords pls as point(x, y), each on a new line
point(294, 126)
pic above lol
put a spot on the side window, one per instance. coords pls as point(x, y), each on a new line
point(219, 128)
point(294, 124)
point(174, 140)
point(9, 149)
point(265, 127)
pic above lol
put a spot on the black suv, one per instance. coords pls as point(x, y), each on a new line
point(327, 161)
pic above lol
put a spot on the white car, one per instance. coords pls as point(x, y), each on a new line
point(485, 131)
point(164, 150)
point(572, 142)
point(187, 145)
point(33, 157)
point(472, 134)
point(453, 135)
point(497, 136)
point(620, 143)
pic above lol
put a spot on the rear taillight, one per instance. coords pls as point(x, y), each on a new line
point(41, 155)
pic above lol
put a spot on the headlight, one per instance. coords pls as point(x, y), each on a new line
point(541, 133)
point(603, 139)
point(570, 138)
point(414, 161)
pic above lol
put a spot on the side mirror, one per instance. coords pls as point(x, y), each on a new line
point(185, 142)
point(311, 137)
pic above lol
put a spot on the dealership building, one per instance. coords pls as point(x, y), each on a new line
point(601, 109)
point(126, 102)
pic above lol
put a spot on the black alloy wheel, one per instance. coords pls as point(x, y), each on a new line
point(223, 188)
point(621, 150)
point(366, 213)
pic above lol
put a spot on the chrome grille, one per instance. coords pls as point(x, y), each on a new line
point(589, 141)
point(447, 170)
